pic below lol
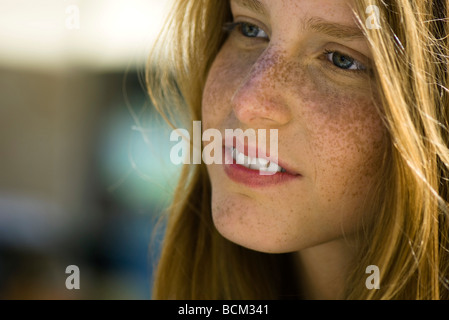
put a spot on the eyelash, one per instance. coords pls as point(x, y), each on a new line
point(231, 26)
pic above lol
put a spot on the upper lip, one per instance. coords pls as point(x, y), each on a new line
point(259, 152)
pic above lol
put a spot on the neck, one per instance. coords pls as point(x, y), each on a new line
point(323, 269)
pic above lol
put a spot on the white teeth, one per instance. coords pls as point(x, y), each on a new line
point(255, 163)
point(241, 158)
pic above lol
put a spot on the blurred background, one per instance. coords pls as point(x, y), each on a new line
point(85, 171)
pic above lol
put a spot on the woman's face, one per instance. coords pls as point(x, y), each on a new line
point(300, 67)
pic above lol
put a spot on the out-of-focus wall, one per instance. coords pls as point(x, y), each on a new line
point(79, 184)
point(46, 130)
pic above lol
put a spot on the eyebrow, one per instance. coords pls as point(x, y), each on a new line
point(331, 29)
point(335, 30)
point(253, 5)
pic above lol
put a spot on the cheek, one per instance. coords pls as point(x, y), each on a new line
point(347, 140)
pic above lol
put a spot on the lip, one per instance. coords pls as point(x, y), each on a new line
point(253, 178)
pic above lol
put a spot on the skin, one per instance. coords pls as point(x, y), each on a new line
point(329, 132)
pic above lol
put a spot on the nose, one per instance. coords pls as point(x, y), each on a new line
point(261, 99)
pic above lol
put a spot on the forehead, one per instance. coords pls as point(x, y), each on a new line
point(338, 11)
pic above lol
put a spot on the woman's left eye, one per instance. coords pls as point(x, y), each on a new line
point(343, 61)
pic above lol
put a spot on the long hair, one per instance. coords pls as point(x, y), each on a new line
point(408, 237)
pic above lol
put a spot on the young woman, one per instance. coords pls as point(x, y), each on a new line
point(357, 91)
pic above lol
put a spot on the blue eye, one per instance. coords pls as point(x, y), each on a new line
point(252, 31)
point(246, 29)
point(343, 61)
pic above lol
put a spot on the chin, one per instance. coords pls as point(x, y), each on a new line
point(253, 235)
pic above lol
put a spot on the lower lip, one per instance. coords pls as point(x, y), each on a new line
point(253, 178)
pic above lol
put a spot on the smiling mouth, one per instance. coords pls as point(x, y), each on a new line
point(255, 172)
point(255, 163)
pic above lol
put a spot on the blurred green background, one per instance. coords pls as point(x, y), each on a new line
point(85, 171)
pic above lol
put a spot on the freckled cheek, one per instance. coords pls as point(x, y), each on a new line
point(347, 146)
